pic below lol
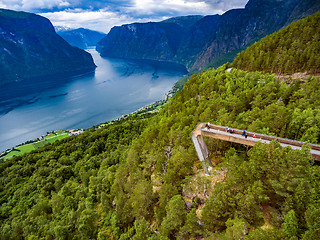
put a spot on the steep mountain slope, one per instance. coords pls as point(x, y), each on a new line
point(140, 178)
point(30, 48)
point(81, 37)
point(295, 48)
point(304, 9)
point(208, 38)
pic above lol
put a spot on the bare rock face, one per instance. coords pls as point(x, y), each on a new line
point(148, 40)
point(195, 41)
point(30, 48)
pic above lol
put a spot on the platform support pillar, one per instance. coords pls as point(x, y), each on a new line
point(202, 151)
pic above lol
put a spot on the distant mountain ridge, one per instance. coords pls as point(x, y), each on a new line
point(30, 48)
point(80, 37)
point(196, 41)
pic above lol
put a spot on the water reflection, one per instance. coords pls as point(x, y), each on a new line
point(117, 87)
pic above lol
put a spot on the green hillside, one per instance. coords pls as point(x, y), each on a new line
point(295, 48)
point(140, 178)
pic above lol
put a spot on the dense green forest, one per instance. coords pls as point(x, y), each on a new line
point(140, 178)
point(295, 48)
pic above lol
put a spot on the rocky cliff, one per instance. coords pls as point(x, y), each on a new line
point(81, 37)
point(30, 48)
point(196, 41)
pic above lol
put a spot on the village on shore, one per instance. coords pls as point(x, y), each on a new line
point(55, 135)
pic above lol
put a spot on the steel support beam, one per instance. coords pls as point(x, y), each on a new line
point(202, 151)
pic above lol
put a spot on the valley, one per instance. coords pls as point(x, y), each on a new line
point(122, 86)
point(142, 175)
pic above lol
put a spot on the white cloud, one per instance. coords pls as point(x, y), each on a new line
point(43, 4)
point(170, 7)
point(29, 5)
point(64, 4)
point(136, 7)
point(12, 4)
point(96, 20)
point(101, 15)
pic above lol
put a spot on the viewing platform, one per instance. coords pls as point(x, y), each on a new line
point(219, 132)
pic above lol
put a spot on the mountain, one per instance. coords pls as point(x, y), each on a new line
point(196, 41)
point(30, 48)
point(184, 21)
point(277, 53)
point(140, 177)
point(81, 37)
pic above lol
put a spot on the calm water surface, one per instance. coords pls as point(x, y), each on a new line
point(116, 88)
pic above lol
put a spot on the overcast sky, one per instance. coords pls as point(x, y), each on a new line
point(101, 15)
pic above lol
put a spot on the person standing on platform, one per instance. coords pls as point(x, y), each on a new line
point(244, 133)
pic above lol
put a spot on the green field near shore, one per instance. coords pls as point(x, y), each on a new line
point(18, 151)
point(54, 138)
point(60, 134)
point(50, 138)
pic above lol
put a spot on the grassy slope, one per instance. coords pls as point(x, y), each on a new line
point(50, 138)
point(18, 151)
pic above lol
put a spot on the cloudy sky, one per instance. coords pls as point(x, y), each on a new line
point(101, 15)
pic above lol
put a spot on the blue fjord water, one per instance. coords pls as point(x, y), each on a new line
point(116, 88)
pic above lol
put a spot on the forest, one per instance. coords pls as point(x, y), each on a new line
point(140, 178)
point(295, 48)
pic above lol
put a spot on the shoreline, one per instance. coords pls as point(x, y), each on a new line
point(25, 137)
point(151, 108)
